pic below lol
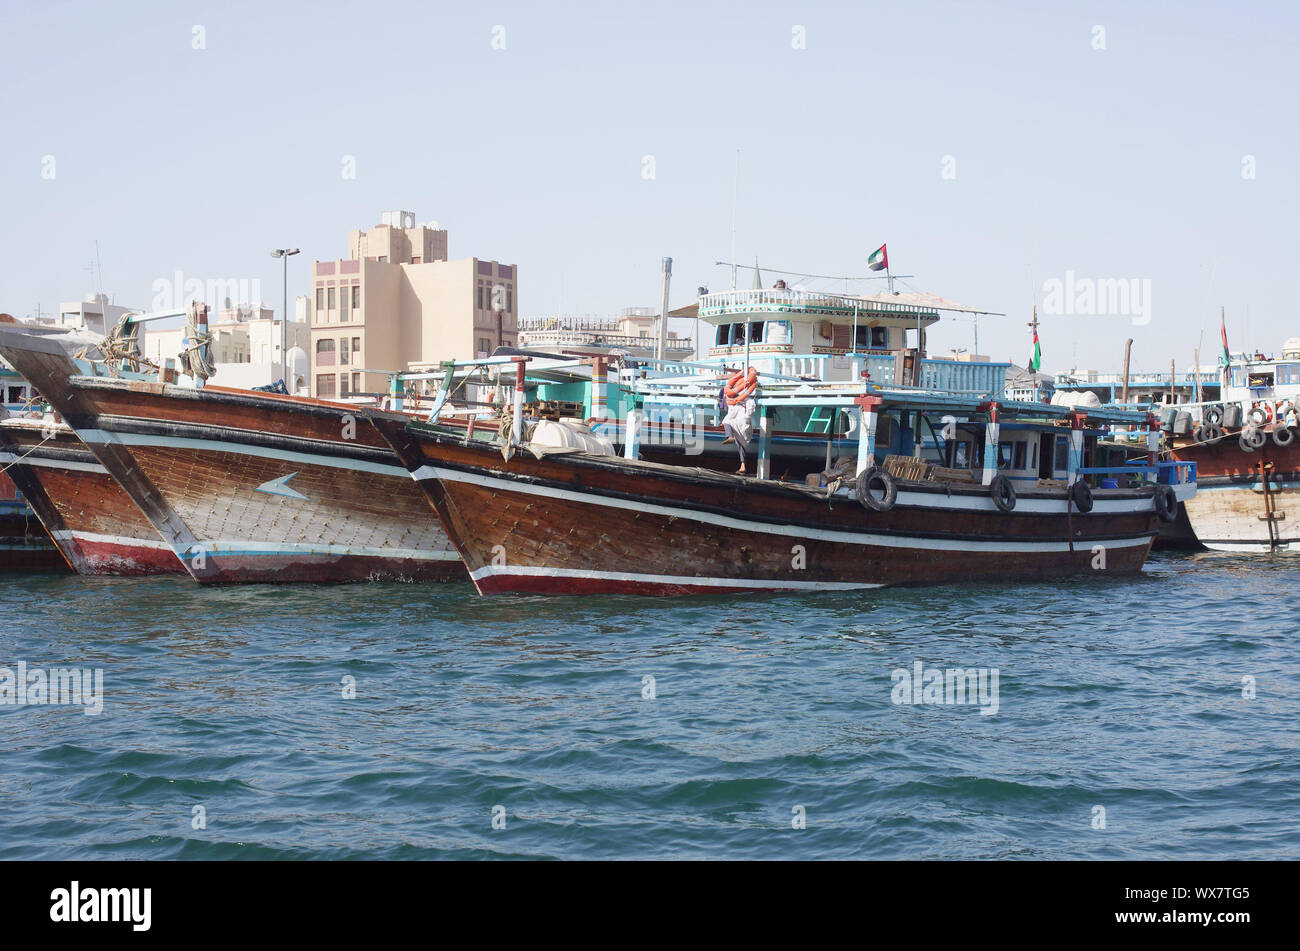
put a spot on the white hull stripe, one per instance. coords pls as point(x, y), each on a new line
point(9, 457)
point(238, 546)
point(1024, 506)
point(125, 541)
point(744, 525)
point(541, 572)
point(216, 445)
point(1254, 547)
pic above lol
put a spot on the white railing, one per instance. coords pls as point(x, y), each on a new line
point(790, 299)
point(574, 338)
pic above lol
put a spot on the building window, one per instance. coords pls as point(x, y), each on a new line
point(478, 297)
point(356, 383)
point(343, 351)
point(325, 353)
point(325, 385)
point(320, 299)
point(356, 297)
point(343, 305)
point(484, 346)
point(356, 349)
point(331, 298)
point(510, 299)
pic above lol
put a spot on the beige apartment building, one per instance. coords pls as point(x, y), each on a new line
point(396, 300)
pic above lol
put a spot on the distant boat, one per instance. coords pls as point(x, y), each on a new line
point(1247, 450)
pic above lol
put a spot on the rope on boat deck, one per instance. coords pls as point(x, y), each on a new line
point(29, 452)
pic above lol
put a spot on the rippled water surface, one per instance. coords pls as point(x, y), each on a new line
point(1120, 694)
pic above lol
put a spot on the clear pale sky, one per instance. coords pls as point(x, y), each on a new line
point(1117, 163)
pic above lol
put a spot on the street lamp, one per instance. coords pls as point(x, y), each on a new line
point(285, 253)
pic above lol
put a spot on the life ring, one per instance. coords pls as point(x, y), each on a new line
point(873, 479)
point(1081, 494)
point(1282, 436)
point(1261, 414)
point(1003, 492)
point(1166, 503)
point(741, 386)
point(1213, 416)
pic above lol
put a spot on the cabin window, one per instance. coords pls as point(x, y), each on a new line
point(1287, 373)
point(1004, 454)
point(756, 332)
point(737, 335)
point(879, 338)
point(722, 337)
point(1062, 457)
point(778, 331)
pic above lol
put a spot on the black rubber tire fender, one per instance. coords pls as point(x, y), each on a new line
point(1166, 503)
point(1003, 492)
point(1081, 495)
point(874, 478)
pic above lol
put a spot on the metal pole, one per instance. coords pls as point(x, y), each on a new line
point(1128, 350)
point(663, 311)
point(284, 329)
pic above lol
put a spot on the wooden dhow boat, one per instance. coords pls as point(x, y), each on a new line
point(95, 525)
point(1246, 447)
point(942, 489)
point(247, 486)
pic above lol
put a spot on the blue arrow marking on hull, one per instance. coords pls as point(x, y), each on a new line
point(280, 486)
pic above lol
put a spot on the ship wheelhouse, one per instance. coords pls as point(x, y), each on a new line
point(800, 333)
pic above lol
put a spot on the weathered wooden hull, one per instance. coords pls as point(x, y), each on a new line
point(578, 524)
point(245, 486)
point(93, 522)
point(1245, 501)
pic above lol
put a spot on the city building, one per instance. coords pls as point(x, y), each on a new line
point(93, 313)
point(396, 300)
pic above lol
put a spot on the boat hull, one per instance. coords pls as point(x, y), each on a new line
point(579, 524)
point(93, 522)
point(1245, 501)
point(246, 486)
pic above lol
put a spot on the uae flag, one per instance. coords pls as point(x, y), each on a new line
point(1036, 361)
point(878, 259)
point(1223, 334)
